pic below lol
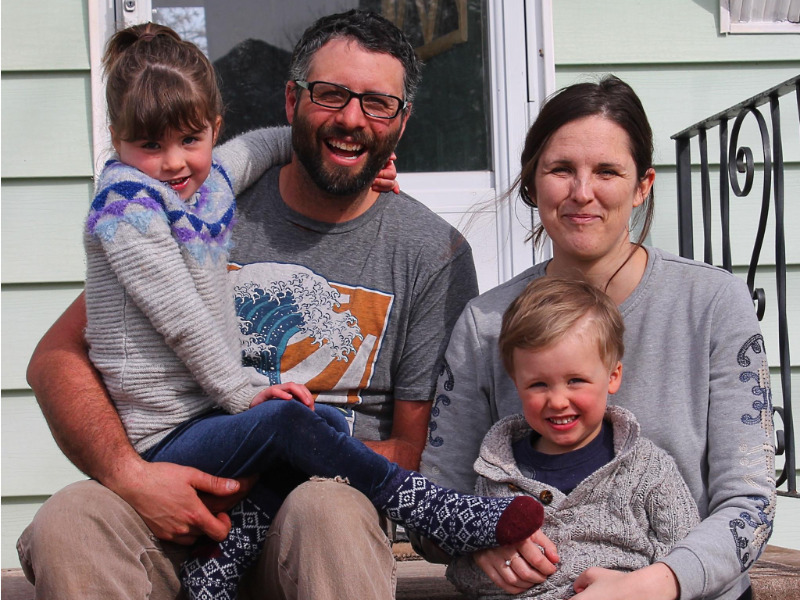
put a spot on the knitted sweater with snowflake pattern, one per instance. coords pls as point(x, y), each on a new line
point(161, 326)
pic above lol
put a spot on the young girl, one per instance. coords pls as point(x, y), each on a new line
point(162, 329)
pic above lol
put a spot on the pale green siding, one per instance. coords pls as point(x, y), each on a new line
point(685, 71)
point(46, 35)
point(46, 180)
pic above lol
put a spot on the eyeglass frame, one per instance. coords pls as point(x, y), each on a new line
point(308, 85)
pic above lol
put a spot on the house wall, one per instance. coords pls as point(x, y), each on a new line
point(47, 168)
point(46, 181)
point(684, 71)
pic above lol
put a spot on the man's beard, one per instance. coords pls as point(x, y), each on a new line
point(336, 179)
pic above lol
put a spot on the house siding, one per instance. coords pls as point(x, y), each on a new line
point(684, 71)
point(45, 186)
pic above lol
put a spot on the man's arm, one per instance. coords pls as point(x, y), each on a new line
point(88, 430)
point(409, 432)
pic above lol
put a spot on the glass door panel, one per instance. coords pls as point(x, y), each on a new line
point(250, 44)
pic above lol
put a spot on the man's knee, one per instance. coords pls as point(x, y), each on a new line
point(60, 524)
point(86, 533)
point(331, 510)
point(317, 522)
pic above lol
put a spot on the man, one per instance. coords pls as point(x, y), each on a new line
point(350, 292)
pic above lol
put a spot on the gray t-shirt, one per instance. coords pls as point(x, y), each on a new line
point(358, 311)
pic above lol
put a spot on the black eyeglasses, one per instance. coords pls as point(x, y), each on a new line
point(330, 95)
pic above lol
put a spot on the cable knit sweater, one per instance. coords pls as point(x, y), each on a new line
point(161, 327)
point(624, 516)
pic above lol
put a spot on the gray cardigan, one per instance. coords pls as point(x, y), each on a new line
point(161, 327)
point(624, 516)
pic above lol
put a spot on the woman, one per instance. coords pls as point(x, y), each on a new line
point(695, 372)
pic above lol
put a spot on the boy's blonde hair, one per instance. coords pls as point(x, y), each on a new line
point(549, 307)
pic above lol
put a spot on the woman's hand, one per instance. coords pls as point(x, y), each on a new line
point(285, 391)
point(655, 582)
point(386, 179)
point(519, 567)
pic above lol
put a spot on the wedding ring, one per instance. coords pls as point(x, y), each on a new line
point(510, 560)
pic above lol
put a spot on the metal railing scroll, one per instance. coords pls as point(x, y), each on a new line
point(737, 160)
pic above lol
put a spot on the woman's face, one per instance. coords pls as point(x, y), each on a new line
point(586, 187)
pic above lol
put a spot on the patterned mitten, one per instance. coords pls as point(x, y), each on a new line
point(215, 571)
point(459, 523)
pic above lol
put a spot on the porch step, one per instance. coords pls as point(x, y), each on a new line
point(776, 576)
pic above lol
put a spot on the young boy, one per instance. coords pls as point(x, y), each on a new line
point(612, 499)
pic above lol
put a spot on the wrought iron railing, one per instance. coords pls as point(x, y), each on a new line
point(735, 160)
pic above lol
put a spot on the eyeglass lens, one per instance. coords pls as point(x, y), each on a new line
point(334, 96)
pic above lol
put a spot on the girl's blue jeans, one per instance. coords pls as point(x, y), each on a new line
point(283, 441)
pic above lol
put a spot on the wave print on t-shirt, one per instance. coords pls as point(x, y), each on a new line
point(297, 326)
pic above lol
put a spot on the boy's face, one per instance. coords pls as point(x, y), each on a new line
point(564, 388)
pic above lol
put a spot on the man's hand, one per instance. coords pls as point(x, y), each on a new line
point(165, 495)
point(654, 582)
point(531, 562)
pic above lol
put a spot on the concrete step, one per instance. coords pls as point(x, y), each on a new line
point(776, 576)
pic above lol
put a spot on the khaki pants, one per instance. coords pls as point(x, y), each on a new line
point(326, 543)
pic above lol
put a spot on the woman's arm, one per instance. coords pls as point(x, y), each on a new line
point(461, 413)
point(740, 456)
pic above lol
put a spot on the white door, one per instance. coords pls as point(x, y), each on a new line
point(488, 65)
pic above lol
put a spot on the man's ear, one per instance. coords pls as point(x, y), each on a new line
point(404, 116)
point(291, 94)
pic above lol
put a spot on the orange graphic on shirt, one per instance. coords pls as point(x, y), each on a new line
point(297, 326)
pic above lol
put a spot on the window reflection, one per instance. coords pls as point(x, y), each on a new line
point(250, 43)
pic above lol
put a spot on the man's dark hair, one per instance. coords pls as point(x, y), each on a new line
point(371, 31)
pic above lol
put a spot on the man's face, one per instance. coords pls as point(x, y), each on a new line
point(343, 149)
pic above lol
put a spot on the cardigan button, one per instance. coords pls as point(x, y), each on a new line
point(546, 497)
point(512, 487)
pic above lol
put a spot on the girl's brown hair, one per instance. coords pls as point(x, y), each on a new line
point(157, 82)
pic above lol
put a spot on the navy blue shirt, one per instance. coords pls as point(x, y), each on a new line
point(564, 471)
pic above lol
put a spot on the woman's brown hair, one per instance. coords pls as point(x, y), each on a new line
point(610, 98)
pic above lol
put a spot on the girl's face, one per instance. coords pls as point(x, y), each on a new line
point(180, 159)
point(586, 187)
